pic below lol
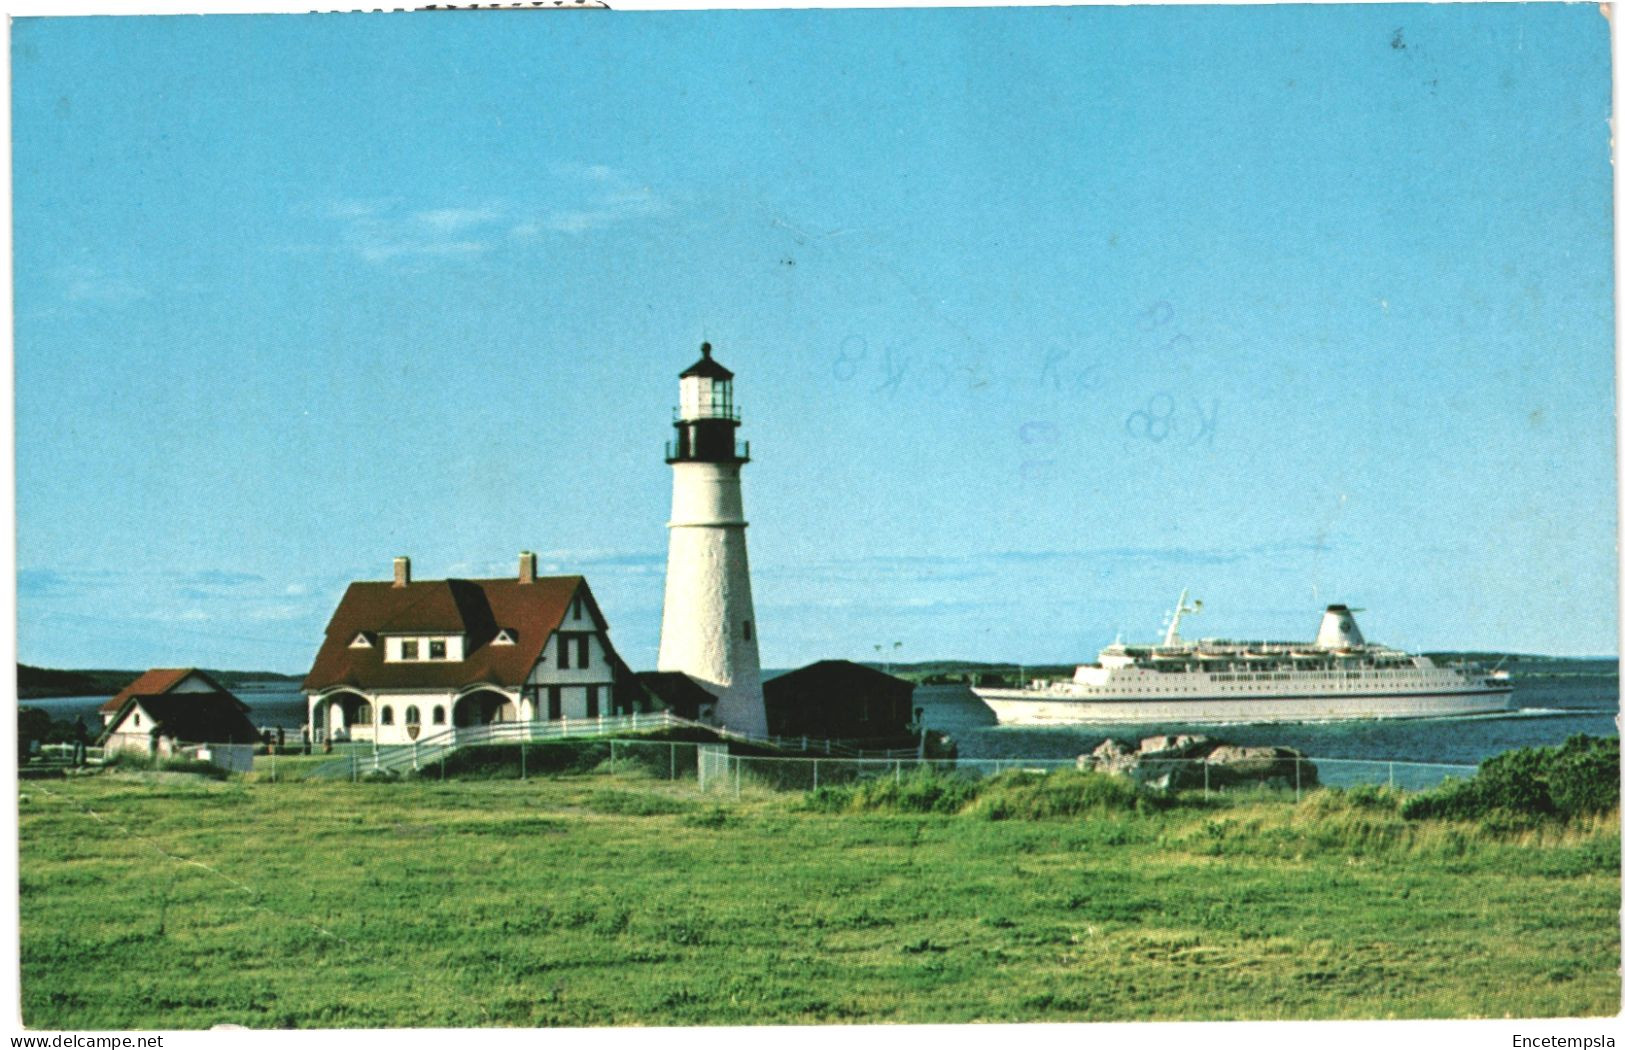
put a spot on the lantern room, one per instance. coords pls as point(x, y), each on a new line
point(706, 417)
point(706, 390)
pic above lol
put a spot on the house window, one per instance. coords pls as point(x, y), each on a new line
point(439, 715)
point(592, 701)
point(412, 717)
point(409, 649)
point(581, 650)
point(138, 720)
point(575, 608)
point(363, 713)
point(564, 652)
point(388, 718)
point(555, 703)
point(437, 649)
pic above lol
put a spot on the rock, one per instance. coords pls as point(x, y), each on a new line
point(1229, 764)
point(1110, 756)
point(1181, 746)
point(1184, 762)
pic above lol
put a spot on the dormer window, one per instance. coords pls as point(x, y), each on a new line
point(426, 648)
point(504, 637)
point(361, 641)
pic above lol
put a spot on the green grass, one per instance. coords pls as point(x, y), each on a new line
point(588, 899)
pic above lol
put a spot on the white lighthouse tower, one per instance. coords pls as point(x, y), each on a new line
point(708, 630)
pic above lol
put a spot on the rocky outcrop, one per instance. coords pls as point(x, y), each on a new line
point(1194, 761)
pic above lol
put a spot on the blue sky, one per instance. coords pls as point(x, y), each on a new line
point(1038, 316)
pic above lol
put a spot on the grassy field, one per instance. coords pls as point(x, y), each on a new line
point(159, 900)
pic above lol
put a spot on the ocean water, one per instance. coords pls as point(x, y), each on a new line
point(1545, 711)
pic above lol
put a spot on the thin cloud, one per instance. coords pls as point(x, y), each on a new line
point(593, 197)
point(86, 284)
point(451, 220)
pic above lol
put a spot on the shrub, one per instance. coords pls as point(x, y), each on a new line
point(128, 760)
point(1363, 798)
point(1580, 777)
point(32, 724)
point(1585, 776)
point(1063, 793)
point(635, 804)
point(922, 791)
point(193, 765)
point(715, 817)
point(504, 761)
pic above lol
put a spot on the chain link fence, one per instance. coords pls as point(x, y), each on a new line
point(719, 771)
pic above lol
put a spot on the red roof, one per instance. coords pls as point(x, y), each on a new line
point(156, 682)
point(476, 609)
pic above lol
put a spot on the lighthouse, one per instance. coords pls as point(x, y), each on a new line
point(708, 629)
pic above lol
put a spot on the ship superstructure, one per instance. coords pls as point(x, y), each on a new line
point(1336, 676)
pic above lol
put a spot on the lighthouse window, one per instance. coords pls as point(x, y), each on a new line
point(747, 630)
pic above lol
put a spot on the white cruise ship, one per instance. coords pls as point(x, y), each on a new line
point(1337, 676)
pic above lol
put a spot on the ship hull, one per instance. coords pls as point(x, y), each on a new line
point(1057, 707)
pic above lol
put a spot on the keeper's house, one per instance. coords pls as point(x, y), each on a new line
point(404, 658)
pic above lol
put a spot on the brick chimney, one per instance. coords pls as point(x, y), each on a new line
point(527, 567)
point(403, 571)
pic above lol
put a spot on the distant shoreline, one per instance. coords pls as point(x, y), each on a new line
point(45, 683)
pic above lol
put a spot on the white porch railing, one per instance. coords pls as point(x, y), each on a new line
point(398, 758)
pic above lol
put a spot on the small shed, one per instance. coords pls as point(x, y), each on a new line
point(838, 700)
point(160, 723)
point(679, 694)
point(160, 681)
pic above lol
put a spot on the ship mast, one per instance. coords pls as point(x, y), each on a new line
point(1180, 609)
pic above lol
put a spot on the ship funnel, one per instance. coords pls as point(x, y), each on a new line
point(1338, 629)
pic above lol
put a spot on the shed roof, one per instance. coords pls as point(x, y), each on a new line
point(157, 681)
point(834, 675)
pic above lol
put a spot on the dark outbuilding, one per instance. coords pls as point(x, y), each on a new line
point(838, 700)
